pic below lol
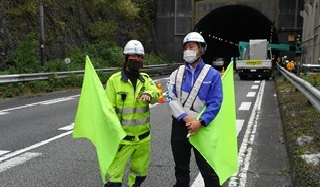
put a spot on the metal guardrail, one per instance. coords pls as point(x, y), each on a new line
point(159, 69)
point(307, 89)
point(311, 93)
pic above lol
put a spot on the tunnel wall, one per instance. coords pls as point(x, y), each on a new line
point(267, 7)
point(175, 18)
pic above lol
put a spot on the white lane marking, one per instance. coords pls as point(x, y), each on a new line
point(20, 159)
point(6, 111)
point(245, 106)
point(239, 179)
point(198, 182)
point(67, 128)
point(239, 125)
point(153, 105)
point(17, 161)
point(2, 152)
point(56, 100)
point(15, 153)
point(256, 82)
point(251, 94)
point(255, 87)
point(71, 126)
point(17, 108)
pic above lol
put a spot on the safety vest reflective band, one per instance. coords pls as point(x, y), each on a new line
point(179, 78)
point(132, 110)
point(196, 86)
point(134, 122)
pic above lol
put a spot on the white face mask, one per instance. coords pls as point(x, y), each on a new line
point(190, 56)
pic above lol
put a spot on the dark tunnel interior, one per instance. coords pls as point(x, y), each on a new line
point(232, 24)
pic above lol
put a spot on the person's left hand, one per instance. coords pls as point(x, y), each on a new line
point(145, 97)
point(193, 126)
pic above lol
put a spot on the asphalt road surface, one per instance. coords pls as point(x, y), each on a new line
point(37, 148)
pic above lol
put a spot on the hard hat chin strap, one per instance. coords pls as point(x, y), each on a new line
point(202, 48)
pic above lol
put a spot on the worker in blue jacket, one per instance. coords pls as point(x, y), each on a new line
point(192, 87)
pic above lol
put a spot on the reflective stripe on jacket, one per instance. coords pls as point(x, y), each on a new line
point(209, 95)
point(133, 113)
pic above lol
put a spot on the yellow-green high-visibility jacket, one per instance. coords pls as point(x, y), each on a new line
point(133, 113)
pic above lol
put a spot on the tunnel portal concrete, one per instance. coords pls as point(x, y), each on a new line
point(224, 27)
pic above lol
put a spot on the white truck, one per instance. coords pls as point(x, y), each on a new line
point(255, 59)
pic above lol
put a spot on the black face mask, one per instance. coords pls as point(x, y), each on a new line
point(134, 65)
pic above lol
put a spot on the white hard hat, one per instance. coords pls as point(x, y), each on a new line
point(196, 37)
point(133, 47)
point(193, 37)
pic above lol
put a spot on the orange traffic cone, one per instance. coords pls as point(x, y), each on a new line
point(160, 99)
point(222, 72)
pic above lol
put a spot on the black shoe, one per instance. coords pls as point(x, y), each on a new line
point(113, 184)
point(176, 185)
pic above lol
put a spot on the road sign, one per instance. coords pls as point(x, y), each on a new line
point(67, 60)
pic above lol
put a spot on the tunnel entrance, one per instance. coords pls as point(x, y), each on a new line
point(224, 27)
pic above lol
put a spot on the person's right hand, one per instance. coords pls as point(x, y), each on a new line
point(193, 126)
point(188, 118)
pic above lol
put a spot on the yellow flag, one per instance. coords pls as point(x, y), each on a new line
point(96, 119)
point(218, 141)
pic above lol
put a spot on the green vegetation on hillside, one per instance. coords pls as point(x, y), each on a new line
point(74, 29)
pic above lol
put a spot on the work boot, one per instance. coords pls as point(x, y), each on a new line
point(113, 184)
point(139, 181)
point(176, 185)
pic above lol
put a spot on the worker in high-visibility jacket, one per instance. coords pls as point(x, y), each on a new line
point(284, 61)
point(290, 66)
point(131, 92)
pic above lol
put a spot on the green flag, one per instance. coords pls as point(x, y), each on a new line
point(218, 142)
point(96, 119)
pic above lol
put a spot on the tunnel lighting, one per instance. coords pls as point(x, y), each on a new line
point(221, 39)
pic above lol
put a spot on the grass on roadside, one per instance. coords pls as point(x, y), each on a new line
point(300, 119)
